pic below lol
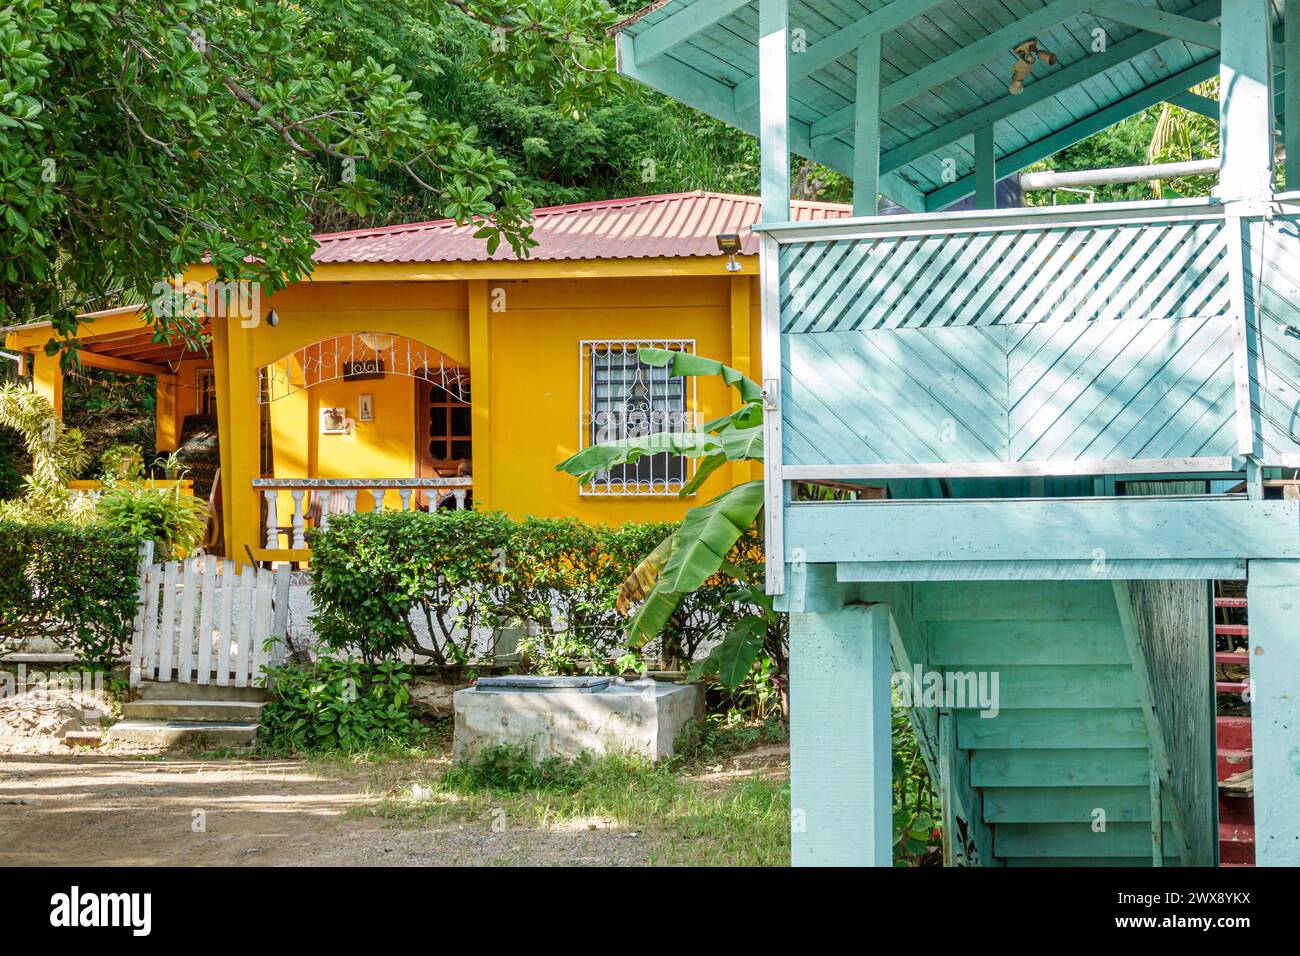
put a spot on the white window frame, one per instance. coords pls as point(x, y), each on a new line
point(648, 488)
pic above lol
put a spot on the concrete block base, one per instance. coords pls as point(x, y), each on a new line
point(643, 718)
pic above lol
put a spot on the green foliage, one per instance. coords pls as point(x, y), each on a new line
point(917, 817)
point(121, 463)
point(74, 585)
point(458, 571)
point(338, 704)
point(372, 571)
point(136, 137)
point(57, 455)
point(711, 537)
point(511, 769)
point(175, 522)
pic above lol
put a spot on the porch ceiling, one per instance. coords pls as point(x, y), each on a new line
point(135, 346)
point(945, 73)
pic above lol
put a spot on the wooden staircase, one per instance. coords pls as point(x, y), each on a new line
point(1063, 774)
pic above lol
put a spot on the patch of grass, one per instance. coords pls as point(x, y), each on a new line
point(679, 820)
point(718, 738)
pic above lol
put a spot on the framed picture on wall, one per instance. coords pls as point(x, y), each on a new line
point(365, 408)
point(333, 421)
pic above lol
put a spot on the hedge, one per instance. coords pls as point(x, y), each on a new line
point(464, 570)
point(74, 585)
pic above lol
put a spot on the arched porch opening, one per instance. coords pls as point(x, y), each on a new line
point(360, 421)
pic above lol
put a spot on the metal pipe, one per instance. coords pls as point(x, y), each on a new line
point(1053, 179)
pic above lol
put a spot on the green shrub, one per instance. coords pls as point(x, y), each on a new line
point(172, 520)
point(371, 571)
point(76, 586)
point(338, 704)
point(462, 570)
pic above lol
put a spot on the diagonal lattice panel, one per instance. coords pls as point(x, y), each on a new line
point(1070, 273)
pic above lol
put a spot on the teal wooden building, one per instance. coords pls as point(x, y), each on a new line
point(1063, 402)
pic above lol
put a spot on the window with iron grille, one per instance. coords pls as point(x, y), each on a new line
point(623, 397)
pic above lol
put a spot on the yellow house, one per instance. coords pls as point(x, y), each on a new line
point(414, 370)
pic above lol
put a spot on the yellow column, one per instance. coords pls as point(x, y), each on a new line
point(47, 380)
point(167, 431)
point(480, 383)
point(242, 504)
point(742, 357)
point(221, 376)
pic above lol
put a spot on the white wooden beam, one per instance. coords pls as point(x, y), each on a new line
point(866, 130)
point(1154, 20)
point(844, 41)
point(986, 171)
point(658, 39)
point(1196, 103)
point(1291, 90)
point(1246, 101)
point(774, 107)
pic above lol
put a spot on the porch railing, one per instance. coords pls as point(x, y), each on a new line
point(315, 500)
point(1133, 338)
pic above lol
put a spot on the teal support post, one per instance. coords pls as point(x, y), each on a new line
point(866, 129)
point(986, 169)
point(1291, 91)
point(840, 764)
point(774, 107)
point(1273, 593)
point(1246, 101)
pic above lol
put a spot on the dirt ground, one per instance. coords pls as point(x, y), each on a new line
point(104, 809)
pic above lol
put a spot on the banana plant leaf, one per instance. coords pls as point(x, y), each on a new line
point(642, 580)
point(708, 533)
point(735, 445)
point(747, 416)
point(734, 656)
point(652, 616)
point(684, 363)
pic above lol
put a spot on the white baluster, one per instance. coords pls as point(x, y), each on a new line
point(378, 495)
point(272, 529)
point(325, 501)
point(351, 496)
point(299, 529)
point(405, 494)
point(459, 495)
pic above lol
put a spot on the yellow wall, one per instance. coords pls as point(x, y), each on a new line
point(523, 337)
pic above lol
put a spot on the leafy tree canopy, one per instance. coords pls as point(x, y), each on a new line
point(137, 137)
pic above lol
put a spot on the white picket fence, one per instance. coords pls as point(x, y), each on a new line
point(202, 621)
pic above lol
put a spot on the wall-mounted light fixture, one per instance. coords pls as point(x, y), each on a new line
point(729, 245)
point(272, 319)
point(1027, 54)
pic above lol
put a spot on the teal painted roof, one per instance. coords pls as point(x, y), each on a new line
point(945, 73)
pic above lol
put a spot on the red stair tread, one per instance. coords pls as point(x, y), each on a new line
point(1231, 630)
point(1233, 732)
point(1229, 602)
point(1240, 658)
point(1233, 761)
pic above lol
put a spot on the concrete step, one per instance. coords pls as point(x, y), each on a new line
point(172, 733)
point(222, 711)
point(179, 690)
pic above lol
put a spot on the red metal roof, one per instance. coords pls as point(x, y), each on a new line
point(643, 227)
